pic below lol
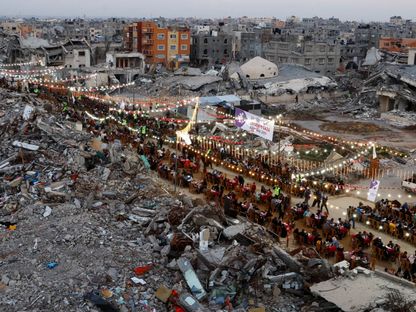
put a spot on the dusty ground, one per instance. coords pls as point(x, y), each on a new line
point(350, 127)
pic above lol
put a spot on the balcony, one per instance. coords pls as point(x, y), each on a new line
point(147, 42)
point(147, 30)
point(147, 52)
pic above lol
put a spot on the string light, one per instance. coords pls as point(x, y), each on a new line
point(171, 102)
point(45, 81)
point(17, 72)
point(21, 64)
point(101, 88)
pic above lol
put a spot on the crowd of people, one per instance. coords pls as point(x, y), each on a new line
point(392, 217)
point(267, 199)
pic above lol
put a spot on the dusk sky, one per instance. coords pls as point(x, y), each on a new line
point(366, 10)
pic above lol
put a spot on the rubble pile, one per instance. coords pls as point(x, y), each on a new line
point(183, 85)
point(4, 45)
point(81, 231)
point(316, 106)
point(395, 82)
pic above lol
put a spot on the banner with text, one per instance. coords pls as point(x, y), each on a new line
point(254, 124)
point(373, 191)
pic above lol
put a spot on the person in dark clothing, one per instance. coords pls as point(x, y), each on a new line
point(307, 195)
point(317, 199)
point(241, 180)
point(221, 190)
point(280, 210)
point(283, 231)
point(324, 202)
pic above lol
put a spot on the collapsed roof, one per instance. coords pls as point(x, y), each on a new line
point(293, 78)
point(362, 289)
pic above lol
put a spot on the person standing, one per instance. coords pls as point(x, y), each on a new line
point(276, 191)
point(307, 195)
point(317, 199)
point(324, 202)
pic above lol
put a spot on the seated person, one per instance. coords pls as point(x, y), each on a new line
point(202, 186)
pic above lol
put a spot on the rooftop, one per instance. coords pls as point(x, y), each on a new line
point(356, 293)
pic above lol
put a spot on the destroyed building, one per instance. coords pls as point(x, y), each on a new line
point(320, 57)
point(70, 54)
point(211, 48)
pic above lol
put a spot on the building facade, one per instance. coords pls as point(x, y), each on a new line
point(211, 48)
point(321, 57)
point(401, 45)
point(252, 43)
point(169, 46)
point(77, 58)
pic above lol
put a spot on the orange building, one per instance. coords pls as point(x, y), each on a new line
point(401, 45)
point(168, 46)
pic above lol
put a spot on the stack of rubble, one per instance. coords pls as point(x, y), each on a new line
point(84, 232)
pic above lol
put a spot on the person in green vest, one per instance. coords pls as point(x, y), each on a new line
point(143, 130)
point(65, 109)
point(276, 191)
point(145, 162)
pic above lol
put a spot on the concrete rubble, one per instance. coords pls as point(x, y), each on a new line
point(81, 232)
point(377, 287)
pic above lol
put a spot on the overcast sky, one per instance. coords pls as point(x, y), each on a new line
point(365, 10)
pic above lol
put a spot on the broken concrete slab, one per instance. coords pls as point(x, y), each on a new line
point(30, 147)
point(191, 278)
point(232, 231)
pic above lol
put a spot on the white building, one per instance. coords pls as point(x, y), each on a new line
point(258, 68)
point(201, 28)
point(77, 58)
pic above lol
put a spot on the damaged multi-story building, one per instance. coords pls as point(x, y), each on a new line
point(320, 57)
point(398, 92)
point(168, 46)
point(367, 36)
point(209, 48)
point(76, 28)
point(253, 42)
point(70, 54)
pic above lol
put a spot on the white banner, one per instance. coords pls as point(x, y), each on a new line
point(254, 124)
point(373, 191)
